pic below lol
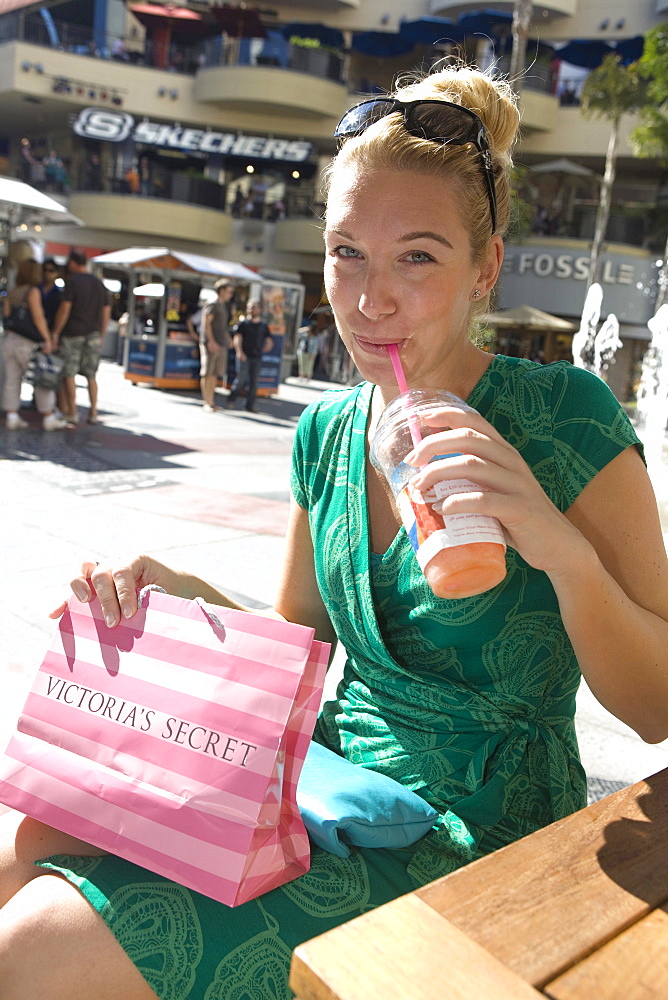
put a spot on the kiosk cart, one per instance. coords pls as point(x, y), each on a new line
point(164, 290)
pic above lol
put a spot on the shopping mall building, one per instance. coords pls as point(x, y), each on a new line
point(205, 128)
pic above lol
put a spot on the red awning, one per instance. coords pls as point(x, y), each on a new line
point(181, 20)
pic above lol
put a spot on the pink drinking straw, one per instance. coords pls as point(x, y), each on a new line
point(413, 423)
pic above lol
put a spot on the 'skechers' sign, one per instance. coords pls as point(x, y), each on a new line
point(117, 126)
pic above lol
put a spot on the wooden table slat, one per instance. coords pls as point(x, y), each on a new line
point(540, 905)
point(633, 965)
point(402, 949)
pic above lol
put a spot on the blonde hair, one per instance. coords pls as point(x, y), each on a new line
point(387, 145)
point(29, 273)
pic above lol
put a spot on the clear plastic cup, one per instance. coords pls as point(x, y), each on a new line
point(462, 555)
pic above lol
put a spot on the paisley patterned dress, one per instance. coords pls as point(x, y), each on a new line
point(468, 702)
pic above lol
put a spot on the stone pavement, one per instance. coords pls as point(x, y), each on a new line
point(204, 492)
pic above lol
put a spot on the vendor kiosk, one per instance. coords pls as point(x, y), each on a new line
point(167, 288)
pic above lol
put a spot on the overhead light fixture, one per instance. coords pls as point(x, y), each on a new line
point(250, 169)
point(296, 175)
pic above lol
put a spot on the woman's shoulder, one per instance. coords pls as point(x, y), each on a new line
point(560, 383)
point(325, 416)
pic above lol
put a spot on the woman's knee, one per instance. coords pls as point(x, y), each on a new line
point(24, 841)
point(54, 944)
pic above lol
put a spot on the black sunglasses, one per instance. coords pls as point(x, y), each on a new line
point(437, 121)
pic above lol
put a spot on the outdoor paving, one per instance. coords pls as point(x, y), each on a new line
point(203, 492)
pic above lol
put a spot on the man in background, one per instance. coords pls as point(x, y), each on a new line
point(79, 329)
point(251, 340)
point(51, 294)
point(215, 343)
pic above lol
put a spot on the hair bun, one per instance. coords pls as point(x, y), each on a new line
point(492, 99)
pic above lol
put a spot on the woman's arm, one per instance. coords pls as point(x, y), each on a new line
point(605, 558)
point(613, 596)
point(298, 596)
point(34, 300)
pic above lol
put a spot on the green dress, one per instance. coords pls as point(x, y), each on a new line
point(468, 702)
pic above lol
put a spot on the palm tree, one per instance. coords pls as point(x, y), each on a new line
point(610, 92)
point(650, 139)
point(522, 13)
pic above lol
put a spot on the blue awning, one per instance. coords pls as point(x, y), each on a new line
point(331, 37)
point(430, 30)
point(484, 22)
point(381, 44)
point(630, 49)
point(590, 52)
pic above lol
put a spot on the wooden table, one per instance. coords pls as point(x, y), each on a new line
point(576, 911)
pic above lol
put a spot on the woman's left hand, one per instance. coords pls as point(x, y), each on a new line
point(509, 491)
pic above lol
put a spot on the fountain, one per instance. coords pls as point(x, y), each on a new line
point(594, 349)
point(652, 408)
point(606, 343)
point(583, 340)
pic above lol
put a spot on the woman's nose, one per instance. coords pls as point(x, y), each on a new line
point(377, 298)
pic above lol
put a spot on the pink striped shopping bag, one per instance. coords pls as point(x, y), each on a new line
point(174, 740)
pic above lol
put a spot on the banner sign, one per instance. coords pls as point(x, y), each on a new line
point(117, 126)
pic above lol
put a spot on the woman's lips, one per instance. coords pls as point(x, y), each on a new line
point(374, 347)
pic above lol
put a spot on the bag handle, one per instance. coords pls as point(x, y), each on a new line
point(213, 618)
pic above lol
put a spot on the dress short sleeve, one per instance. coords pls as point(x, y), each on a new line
point(590, 428)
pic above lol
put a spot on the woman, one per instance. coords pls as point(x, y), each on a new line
point(17, 350)
point(307, 349)
point(469, 702)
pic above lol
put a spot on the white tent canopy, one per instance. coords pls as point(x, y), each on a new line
point(162, 258)
point(21, 203)
point(529, 318)
point(564, 166)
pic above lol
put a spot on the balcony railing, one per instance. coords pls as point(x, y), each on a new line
point(182, 58)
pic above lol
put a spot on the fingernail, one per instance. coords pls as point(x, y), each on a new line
point(81, 595)
point(110, 620)
point(127, 612)
point(410, 458)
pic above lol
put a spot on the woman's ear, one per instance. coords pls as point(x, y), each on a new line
point(491, 265)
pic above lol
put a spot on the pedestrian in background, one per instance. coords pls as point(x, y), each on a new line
point(308, 346)
point(79, 328)
point(52, 296)
point(215, 343)
point(19, 347)
point(251, 340)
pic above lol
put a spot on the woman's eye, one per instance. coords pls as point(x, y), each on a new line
point(346, 252)
point(419, 257)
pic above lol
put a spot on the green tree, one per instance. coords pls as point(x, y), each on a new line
point(650, 138)
point(609, 92)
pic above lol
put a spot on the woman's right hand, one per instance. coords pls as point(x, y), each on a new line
point(116, 586)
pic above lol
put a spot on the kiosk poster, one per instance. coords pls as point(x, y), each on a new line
point(280, 306)
point(273, 311)
point(142, 356)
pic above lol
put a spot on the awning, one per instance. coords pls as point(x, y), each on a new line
point(529, 318)
point(332, 38)
point(382, 44)
point(590, 52)
point(430, 30)
point(483, 22)
point(179, 20)
point(20, 203)
point(564, 166)
point(163, 259)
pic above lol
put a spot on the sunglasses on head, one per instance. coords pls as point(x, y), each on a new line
point(438, 121)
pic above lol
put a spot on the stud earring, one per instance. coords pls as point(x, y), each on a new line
point(476, 293)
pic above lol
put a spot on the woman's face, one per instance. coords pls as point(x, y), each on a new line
point(398, 270)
